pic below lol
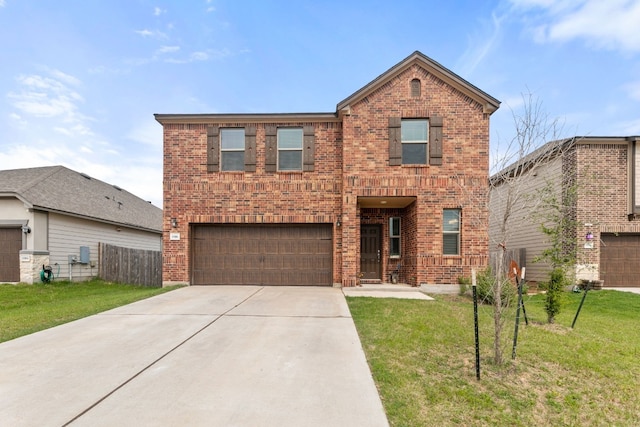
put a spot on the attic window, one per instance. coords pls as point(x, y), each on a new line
point(415, 88)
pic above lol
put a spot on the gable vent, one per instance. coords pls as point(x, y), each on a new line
point(415, 88)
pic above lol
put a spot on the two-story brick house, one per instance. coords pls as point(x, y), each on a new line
point(597, 181)
point(394, 181)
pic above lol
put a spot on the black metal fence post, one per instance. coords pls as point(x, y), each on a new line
point(515, 334)
point(475, 322)
point(580, 306)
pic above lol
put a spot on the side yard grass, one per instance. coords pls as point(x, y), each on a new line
point(422, 356)
point(25, 309)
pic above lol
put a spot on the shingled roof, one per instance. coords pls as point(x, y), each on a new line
point(62, 190)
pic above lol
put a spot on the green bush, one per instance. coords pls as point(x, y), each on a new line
point(465, 283)
point(486, 282)
point(555, 290)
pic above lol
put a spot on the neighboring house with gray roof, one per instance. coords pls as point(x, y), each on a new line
point(55, 216)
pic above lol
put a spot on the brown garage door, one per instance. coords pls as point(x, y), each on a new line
point(10, 246)
point(289, 255)
point(620, 260)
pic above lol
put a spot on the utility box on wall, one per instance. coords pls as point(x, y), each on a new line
point(85, 255)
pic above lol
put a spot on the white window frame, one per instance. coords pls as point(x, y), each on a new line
point(231, 150)
point(393, 236)
point(424, 142)
point(289, 149)
point(446, 232)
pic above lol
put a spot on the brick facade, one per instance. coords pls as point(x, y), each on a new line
point(604, 196)
point(351, 172)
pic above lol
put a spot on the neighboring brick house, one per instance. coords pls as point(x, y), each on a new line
point(604, 174)
point(394, 181)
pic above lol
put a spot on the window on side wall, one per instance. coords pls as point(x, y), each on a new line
point(451, 232)
point(414, 136)
point(394, 237)
point(232, 149)
point(290, 149)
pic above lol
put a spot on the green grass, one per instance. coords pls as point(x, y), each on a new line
point(423, 361)
point(25, 309)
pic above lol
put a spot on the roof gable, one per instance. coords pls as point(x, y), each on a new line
point(489, 103)
point(62, 190)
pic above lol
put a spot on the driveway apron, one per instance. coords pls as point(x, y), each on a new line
point(197, 356)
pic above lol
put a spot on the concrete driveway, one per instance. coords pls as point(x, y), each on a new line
point(214, 356)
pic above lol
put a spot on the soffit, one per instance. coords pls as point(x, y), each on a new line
point(248, 118)
point(385, 202)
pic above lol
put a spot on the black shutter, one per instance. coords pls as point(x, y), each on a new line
point(213, 149)
point(250, 149)
point(435, 140)
point(395, 141)
point(309, 142)
point(271, 148)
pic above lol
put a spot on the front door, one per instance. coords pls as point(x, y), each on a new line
point(370, 252)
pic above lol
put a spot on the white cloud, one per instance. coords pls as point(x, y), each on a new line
point(42, 96)
point(147, 132)
point(158, 11)
point(156, 34)
point(480, 46)
point(65, 78)
point(199, 56)
point(164, 54)
point(2, 3)
point(514, 102)
point(49, 127)
point(610, 24)
point(75, 130)
point(17, 120)
point(167, 49)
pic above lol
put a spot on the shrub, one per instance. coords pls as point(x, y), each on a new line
point(555, 290)
point(486, 282)
point(465, 283)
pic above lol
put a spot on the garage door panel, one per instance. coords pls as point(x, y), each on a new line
point(620, 260)
point(295, 254)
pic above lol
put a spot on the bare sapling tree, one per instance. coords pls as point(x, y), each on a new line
point(511, 200)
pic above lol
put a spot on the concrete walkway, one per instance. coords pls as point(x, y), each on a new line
point(386, 290)
point(197, 356)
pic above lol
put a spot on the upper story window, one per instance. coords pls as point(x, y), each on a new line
point(290, 149)
point(231, 149)
point(232, 144)
point(414, 136)
point(451, 232)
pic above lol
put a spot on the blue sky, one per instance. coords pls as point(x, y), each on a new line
point(80, 80)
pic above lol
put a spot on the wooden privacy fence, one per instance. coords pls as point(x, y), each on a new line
point(517, 255)
point(134, 266)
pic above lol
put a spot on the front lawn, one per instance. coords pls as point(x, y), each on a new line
point(422, 357)
point(25, 309)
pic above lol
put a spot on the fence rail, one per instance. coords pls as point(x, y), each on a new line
point(126, 265)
